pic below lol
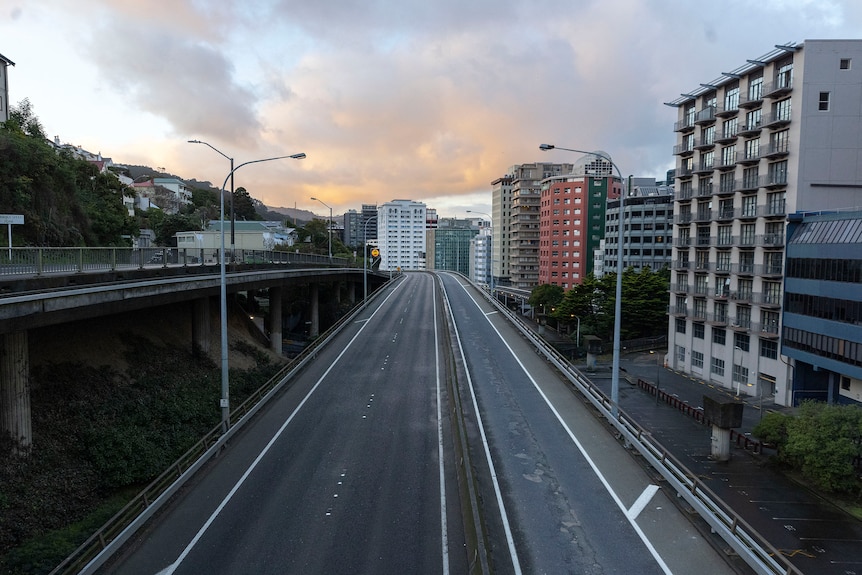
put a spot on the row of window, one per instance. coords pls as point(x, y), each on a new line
point(741, 341)
point(823, 345)
point(842, 310)
point(826, 269)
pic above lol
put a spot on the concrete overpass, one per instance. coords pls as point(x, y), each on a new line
point(31, 302)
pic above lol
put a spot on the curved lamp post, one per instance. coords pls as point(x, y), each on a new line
point(329, 227)
point(615, 376)
point(365, 261)
point(224, 401)
point(232, 218)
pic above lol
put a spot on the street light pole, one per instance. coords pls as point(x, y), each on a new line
point(224, 401)
point(329, 227)
point(615, 376)
point(365, 262)
point(232, 216)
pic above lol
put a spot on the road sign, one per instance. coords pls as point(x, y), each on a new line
point(375, 252)
point(12, 219)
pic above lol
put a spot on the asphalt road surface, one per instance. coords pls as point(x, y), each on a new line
point(351, 470)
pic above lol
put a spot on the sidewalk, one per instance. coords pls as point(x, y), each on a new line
point(815, 535)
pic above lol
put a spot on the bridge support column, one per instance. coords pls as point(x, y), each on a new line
point(275, 333)
point(352, 288)
point(201, 328)
point(15, 390)
point(314, 330)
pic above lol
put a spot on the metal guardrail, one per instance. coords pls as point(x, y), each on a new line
point(52, 260)
point(93, 553)
point(752, 547)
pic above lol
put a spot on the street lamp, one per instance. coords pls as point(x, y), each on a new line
point(329, 227)
point(365, 261)
point(232, 218)
point(224, 401)
point(615, 376)
point(491, 254)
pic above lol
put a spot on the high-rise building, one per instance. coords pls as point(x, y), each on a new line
point(369, 221)
point(823, 305)
point(401, 228)
point(448, 245)
point(501, 213)
point(352, 229)
point(776, 135)
point(519, 196)
point(647, 231)
point(572, 219)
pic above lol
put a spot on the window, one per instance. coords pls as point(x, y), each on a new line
point(719, 335)
point(740, 374)
point(768, 349)
point(680, 325)
point(717, 366)
point(680, 354)
point(742, 341)
point(697, 359)
point(699, 330)
point(753, 119)
point(844, 64)
point(823, 102)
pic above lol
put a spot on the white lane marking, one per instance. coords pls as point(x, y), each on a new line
point(173, 567)
point(443, 525)
point(510, 540)
point(642, 501)
point(580, 447)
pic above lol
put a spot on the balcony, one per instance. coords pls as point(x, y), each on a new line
point(727, 163)
point(743, 268)
point(750, 101)
point(676, 310)
point(703, 216)
point(768, 299)
point(740, 323)
point(717, 318)
point(747, 212)
point(681, 264)
point(680, 288)
point(725, 242)
point(749, 183)
point(722, 268)
point(752, 129)
point(769, 330)
point(703, 191)
point(776, 120)
point(749, 157)
point(684, 149)
point(684, 194)
point(705, 116)
point(726, 111)
point(684, 125)
point(704, 167)
point(774, 209)
point(727, 187)
point(705, 144)
point(782, 85)
point(682, 218)
point(774, 181)
point(682, 242)
point(725, 214)
point(684, 172)
point(771, 240)
point(727, 136)
point(778, 149)
point(746, 241)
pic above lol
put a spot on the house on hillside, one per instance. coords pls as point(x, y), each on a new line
point(169, 194)
point(248, 236)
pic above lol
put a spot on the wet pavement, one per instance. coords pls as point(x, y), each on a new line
point(815, 535)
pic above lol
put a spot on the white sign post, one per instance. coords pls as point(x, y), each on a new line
point(10, 220)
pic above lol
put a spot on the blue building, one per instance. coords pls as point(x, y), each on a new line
point(822, 323)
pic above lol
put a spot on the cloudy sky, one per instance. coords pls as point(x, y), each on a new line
point(420, 99)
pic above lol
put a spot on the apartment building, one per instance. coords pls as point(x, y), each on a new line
point(4, 87)
point(518, 194)
point(776, 135)
point(647, 229)
point(401, 228)
point(572, 219)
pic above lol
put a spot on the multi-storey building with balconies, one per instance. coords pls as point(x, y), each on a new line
point(776, 135)
point(401, 228)
point(522, 248)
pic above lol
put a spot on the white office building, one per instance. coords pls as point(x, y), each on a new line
point(776, 135)
point(401, 233)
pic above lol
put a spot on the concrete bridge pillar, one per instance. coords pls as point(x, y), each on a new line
point(201, 328)
point(352, 288)
point(314, 330)
point(275, 331)
point(15, 390)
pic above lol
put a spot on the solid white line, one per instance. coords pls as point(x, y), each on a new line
point(443, 526)
point(642, 501)
point(170, 569)
point(510, 540)
point(580, 447)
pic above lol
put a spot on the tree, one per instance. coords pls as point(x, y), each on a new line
point(547, 296)
point(243, 206)
point(173, 223)
point(23, 120)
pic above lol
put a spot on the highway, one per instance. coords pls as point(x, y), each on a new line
point(351, 469)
